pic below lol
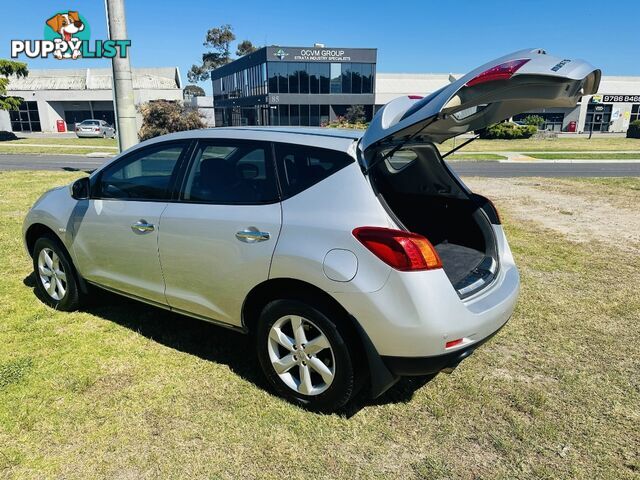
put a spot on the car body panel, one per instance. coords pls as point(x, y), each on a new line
point(544, 81)
point(109, 252)
point(316, 221)
point(208, 270)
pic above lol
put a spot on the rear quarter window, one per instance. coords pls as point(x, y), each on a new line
point(301, 167)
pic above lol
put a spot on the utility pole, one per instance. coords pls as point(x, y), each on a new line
point(122, 79)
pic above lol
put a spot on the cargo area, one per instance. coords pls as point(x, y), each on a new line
point(421, 193)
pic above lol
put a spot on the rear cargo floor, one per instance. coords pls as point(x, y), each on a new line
point(458, 260)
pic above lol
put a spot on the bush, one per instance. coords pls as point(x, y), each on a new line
point(507, 131)
point(535, 120)
point(6, 136)
point(161, 117)
point(634, 129)
point(342, 122)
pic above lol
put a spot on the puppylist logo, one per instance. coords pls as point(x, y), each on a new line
point(67, 36)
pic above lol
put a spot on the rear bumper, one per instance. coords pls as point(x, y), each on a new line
point(415, 314)
point(88, 134)
point(413, 366)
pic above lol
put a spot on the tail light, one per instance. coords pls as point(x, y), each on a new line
point(97, 129)
point(504, 71)
point(403, 251)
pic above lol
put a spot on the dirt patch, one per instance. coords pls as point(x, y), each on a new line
point(581, 215)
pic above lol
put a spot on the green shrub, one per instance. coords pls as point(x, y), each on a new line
point(6, 136)
point(535, 120)
point(342, 122)
point(634, 129)
point(163, 116)
point(507, 131)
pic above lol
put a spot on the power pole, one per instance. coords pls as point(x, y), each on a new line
point(122, 79)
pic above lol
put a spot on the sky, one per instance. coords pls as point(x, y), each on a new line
point(411, 36)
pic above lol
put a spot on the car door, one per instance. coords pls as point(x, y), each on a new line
point(217, 242)
point(116, 230)
point(515, 83)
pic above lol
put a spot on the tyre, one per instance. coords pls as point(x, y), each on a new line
point(306, 356)
point(57, 282)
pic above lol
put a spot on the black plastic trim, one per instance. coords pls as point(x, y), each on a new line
point(415, 366)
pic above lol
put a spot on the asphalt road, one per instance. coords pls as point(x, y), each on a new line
point(463, 168)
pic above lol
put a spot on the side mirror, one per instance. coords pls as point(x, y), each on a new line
point(81, 188)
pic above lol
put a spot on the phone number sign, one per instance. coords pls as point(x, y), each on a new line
point(620, 98)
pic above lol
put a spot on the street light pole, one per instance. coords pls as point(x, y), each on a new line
point(122, 78)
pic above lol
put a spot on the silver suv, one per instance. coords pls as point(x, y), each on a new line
point(353, 258)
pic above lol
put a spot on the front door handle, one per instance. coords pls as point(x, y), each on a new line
point(142, 226)
point(252, 235)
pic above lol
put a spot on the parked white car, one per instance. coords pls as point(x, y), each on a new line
point(95, 129)
point(353, 258)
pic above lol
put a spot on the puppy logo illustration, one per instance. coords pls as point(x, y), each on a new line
point(67, 26)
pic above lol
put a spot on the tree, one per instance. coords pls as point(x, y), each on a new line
point(194, 91)
point(244, 48)
point(218, 41)
point(355, 114)
point(8, 68)
point(162, 116)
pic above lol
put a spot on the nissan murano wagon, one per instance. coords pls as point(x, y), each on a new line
point(354, 258)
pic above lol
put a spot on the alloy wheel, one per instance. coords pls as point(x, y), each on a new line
point(301, 355)
point(52, 274)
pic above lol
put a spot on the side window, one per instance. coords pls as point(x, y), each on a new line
point(301, 167)
point(143, 175)
point(231, 172)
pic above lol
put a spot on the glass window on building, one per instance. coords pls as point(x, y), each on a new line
point(598, 117)
point(325, 77)
point(346, 78)
point(284, 115)
point(314, 77)
point(26, 118)
point(314, 115)
point(324, 114)
point(336, 78)
point(366, 72)
point(635, 112)
point(304, 115)
point(294, 76)
point(356, 77)
point(304, 79)
point(294, 115)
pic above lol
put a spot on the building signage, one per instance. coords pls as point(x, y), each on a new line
point(317, 54)
point(621, 98)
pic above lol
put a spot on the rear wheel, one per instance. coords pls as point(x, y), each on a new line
point(306, 356)
point(56, 279)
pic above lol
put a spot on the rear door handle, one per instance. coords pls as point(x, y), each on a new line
point(252, 235)
point(142, 226)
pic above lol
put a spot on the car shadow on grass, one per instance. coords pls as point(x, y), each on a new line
point(213, 343)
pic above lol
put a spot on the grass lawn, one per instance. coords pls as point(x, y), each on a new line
point(123, 390)
point(52, 150)
point(585, 156)
point(551, 144)
point(103, 142)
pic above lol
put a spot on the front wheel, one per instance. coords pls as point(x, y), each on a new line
point(306, 356)
point(56, 279)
